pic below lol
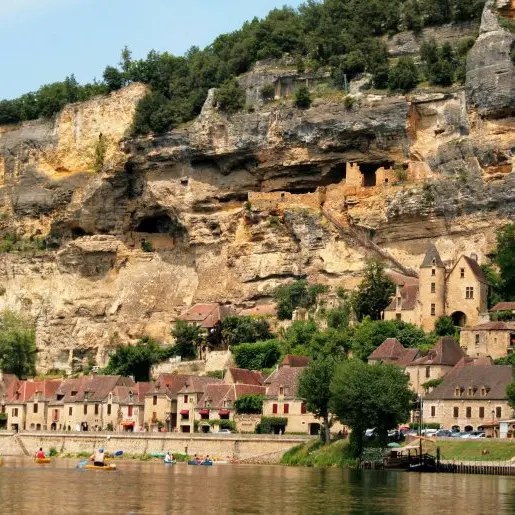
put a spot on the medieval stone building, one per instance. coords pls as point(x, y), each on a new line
point(459, 291)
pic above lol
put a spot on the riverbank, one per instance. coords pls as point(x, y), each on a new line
point(314, 454)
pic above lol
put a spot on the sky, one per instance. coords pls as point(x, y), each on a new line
point(43, 41)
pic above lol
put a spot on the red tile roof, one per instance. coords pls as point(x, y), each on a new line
point(492, 326)
point(198, 384)
point(243, 376)
point(216, 395)
point(260, 309)
point(391, 348)
point(409, 295)
point(286, 377)
point(169, 383)
point(26, 391)
point(206, 315)
point(445, 352)
point(504, 306)
point(290, 360)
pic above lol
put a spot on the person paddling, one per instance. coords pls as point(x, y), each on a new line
point(40, 454)
point(98, 458)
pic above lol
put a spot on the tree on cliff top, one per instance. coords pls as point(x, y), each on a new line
point(17, 345)
point(374, 293)
point(187, 336)
point(505, 259)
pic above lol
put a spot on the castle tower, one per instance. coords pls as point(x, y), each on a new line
point(431, 288)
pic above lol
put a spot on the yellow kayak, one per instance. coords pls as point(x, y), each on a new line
point(105, 467)
point(41, 460)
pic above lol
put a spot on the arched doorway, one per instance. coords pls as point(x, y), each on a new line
point(53, 426)
point(468, 429)
point(314, 429)
point(459, 318)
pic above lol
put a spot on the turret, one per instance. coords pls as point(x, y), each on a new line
point(431, 288)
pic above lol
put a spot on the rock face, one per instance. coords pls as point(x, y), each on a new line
point(166, 222)
point(490, 66)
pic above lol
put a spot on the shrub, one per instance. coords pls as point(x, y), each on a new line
point(100, 153)
point(244, 329)
point(146, 246)
point(53, 452)
point(229, 97)
point(401, 173)
point(349, 102)
point(249, 404)
point(303, 98)
point(299, 294)
point(404, 75)
point(255, 356)
point(270, 425)
point(219, 374)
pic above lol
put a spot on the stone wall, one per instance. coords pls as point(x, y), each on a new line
point(229, 446)
point(281, 200)
point(490, 343)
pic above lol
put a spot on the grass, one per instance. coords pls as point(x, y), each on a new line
point(470, 450)
point(313, 454)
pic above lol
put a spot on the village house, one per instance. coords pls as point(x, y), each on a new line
point(392, 352)
point(440, 360)
point(243, 376)
point(470, 397)
point(493, 339)
point(502, 307)
point(460, 291)
point(217, 403)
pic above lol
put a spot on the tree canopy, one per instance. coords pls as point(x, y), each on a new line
point(505, 259)
point(244, 329)
point(249, 404)
point(259, 355)
point(187, 336)
point(370, 396)
point(17, 345)
point(299, 294)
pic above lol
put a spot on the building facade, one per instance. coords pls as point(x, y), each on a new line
point(493, 339)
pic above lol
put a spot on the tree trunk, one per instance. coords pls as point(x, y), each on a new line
point(327, 434)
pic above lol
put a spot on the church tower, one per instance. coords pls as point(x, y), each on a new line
point(431, 288)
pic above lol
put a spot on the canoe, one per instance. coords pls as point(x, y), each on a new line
point(157, 454)
point(204, 463)
point(105, 467)
point(41, 460)
point(173, 462)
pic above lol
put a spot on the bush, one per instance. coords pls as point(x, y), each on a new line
point(349, 102)
point(146, 246)
point(249, 404)
point(229, 97)
point(219, 374)
point(404, 75)
point(255, 356)
point(187, 336)
point(303, 98)
point(268, 91)
point(401, 174)
point(246, 329)
point(53, 452)
point(299, 294)
point(100, 153)
point(270, 425)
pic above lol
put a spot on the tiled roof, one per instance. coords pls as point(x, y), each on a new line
point(26, 391)
point(198, 384)
point(286, 377)
point(97, 388)
point(492, 326)
point(290, 360)
point(215, 395)
point(122, 394)
point(494, 378)
point(432, 254)
point(392, 351)
point(206, 315)
point(260, 309)
point(504, 306)
point(476, 269)
point(409, 295)
point(243, 376)
point(401, 279)
point(445, 352)
point(169, 383)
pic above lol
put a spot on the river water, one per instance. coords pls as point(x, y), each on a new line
point(154, 488)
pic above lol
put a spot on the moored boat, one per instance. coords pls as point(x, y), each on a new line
point(205, 463)
point(112, 466)
point(42, 460)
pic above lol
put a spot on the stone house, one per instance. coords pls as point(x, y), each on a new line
point(217, 403)
point(493, 339)
point(440, 360)
point(503, 307)
point(391, 351)
point(470, 397)
point(187, 399)
point(460, 291)
point(235, 375)
point(127, 407)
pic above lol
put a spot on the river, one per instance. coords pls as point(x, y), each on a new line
point(153, 488)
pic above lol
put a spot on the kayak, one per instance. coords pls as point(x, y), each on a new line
point(105, 467)
point(157, 454)
point(170, 462)
point(206, 463)
point(41, 460)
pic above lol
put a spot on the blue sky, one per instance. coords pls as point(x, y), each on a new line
point(42, 41)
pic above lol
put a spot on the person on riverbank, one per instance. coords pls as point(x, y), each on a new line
point(40, 454)
point(98, 458)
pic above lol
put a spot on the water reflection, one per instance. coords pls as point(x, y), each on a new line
point(153, 488)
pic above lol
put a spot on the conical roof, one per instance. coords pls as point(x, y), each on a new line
point(432, 258)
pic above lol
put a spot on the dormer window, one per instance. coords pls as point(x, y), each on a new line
point(470, 392)
point(281, 390)
point(433, 262)
point(86, 396)
point(74, 393)
point(457, 391)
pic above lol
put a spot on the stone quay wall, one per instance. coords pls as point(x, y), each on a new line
point(229, 446)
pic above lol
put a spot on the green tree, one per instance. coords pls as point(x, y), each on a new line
point(495, 290)
point(369, 396)
point(314, 389)
point(136, 360)
point(17, 345)
point(249, 404)
point(505, 259)
point(510, 394)
point(229, 97)
point(444, 326)
point(113, 78)
point(246, 329)
point(404, 75)
point(187, 336)
point(299, 294)
point(303, 98)
point(257, 356)
point(374, 292)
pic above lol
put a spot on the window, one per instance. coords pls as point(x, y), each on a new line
point(70, 411)
point(286, 409)
point(185, 399)
point(154, 400)
point(85, 409)
point(477, 339)
point(286, 390)
point(281, 390)
point(428, 372)
point(274, 408)
point(468, 412)
point(96, 409)
point(303, 408)
point(35, 408)
point(462, 273)
point(498, 412)
point(481, 412)
point(154, 416)
point(433, 310)
point(433, 287)
point(129, 411)
point(15, 412)
point(433, 411)
point(483, 392)
point(398, 316)
point(456, 412)
point(433, 272)
point(109, 409)
point(469, 292)
point(457, 392)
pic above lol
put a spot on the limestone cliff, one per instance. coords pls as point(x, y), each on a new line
point(328, 187)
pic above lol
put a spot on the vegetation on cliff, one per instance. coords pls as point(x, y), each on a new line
point(341, 35)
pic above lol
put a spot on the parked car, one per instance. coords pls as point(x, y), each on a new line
point(443, 433)
point(429, 432)
point(224, 431)
point(477, 434)
point(371, 433)
point(456, 434)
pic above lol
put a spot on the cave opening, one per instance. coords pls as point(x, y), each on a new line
point(77, 232)
point(369, 172)
point(204, 163)
point(158, 224)
point(335, 175)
